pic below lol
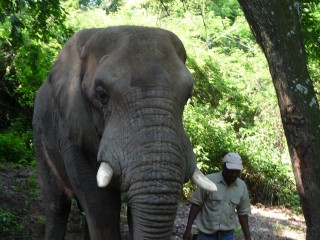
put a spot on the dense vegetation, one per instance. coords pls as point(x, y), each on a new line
point(234, 107)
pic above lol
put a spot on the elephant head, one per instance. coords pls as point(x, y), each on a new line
point(119, 95)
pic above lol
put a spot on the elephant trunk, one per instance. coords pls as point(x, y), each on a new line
point(153, 206)
point(157, 173)
point(151, 221)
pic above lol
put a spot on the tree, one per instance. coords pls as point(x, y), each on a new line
point(27, 28)
point(277, 28)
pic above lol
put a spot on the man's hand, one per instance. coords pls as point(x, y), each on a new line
point(187, 235)
point(194, 210)
point(243, 219)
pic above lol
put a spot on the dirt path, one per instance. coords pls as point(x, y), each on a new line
point(265, 223)
point(276, 223)
point(21, 214)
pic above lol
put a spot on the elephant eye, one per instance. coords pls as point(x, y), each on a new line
point(102, 95)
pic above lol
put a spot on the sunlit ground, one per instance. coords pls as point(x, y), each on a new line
point(275, 223)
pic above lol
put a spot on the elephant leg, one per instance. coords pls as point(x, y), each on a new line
point(86, 234)
point(101, 205)
point(57, 217)
point(57, 206)
point(103, 216)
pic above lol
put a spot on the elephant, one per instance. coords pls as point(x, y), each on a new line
point(107, 120)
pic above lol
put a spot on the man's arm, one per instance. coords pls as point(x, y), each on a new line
point(194, 210)
point(244, 222)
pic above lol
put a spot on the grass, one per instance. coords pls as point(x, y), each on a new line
point(11, 225)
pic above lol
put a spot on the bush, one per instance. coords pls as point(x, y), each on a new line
point(11, 226)
point(16, 148)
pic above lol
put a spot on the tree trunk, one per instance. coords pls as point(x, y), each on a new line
point(276, 26)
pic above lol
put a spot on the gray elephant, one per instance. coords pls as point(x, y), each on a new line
point(107, 120)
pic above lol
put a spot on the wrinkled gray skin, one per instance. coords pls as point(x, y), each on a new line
point(115, 95)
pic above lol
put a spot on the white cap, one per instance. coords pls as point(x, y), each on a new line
point(233, 161)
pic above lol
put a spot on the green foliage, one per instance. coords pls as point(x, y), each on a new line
point(267, 168)
point(107, 5)
point(31, 33)
point(310, 17)
point(208, 89)
point(11, 226)
point(16, 148)
point(41, 19)
point(32, 65)
point(203, 126)
point(225, 9)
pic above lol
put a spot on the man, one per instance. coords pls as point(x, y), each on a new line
point(215, 212)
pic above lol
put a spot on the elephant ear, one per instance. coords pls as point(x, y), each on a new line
point(179, 47)
point(73, 111)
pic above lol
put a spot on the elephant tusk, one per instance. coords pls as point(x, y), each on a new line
point(104, 174)
point(202, 181)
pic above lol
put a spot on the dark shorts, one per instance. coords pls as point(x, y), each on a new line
point(220, 235)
